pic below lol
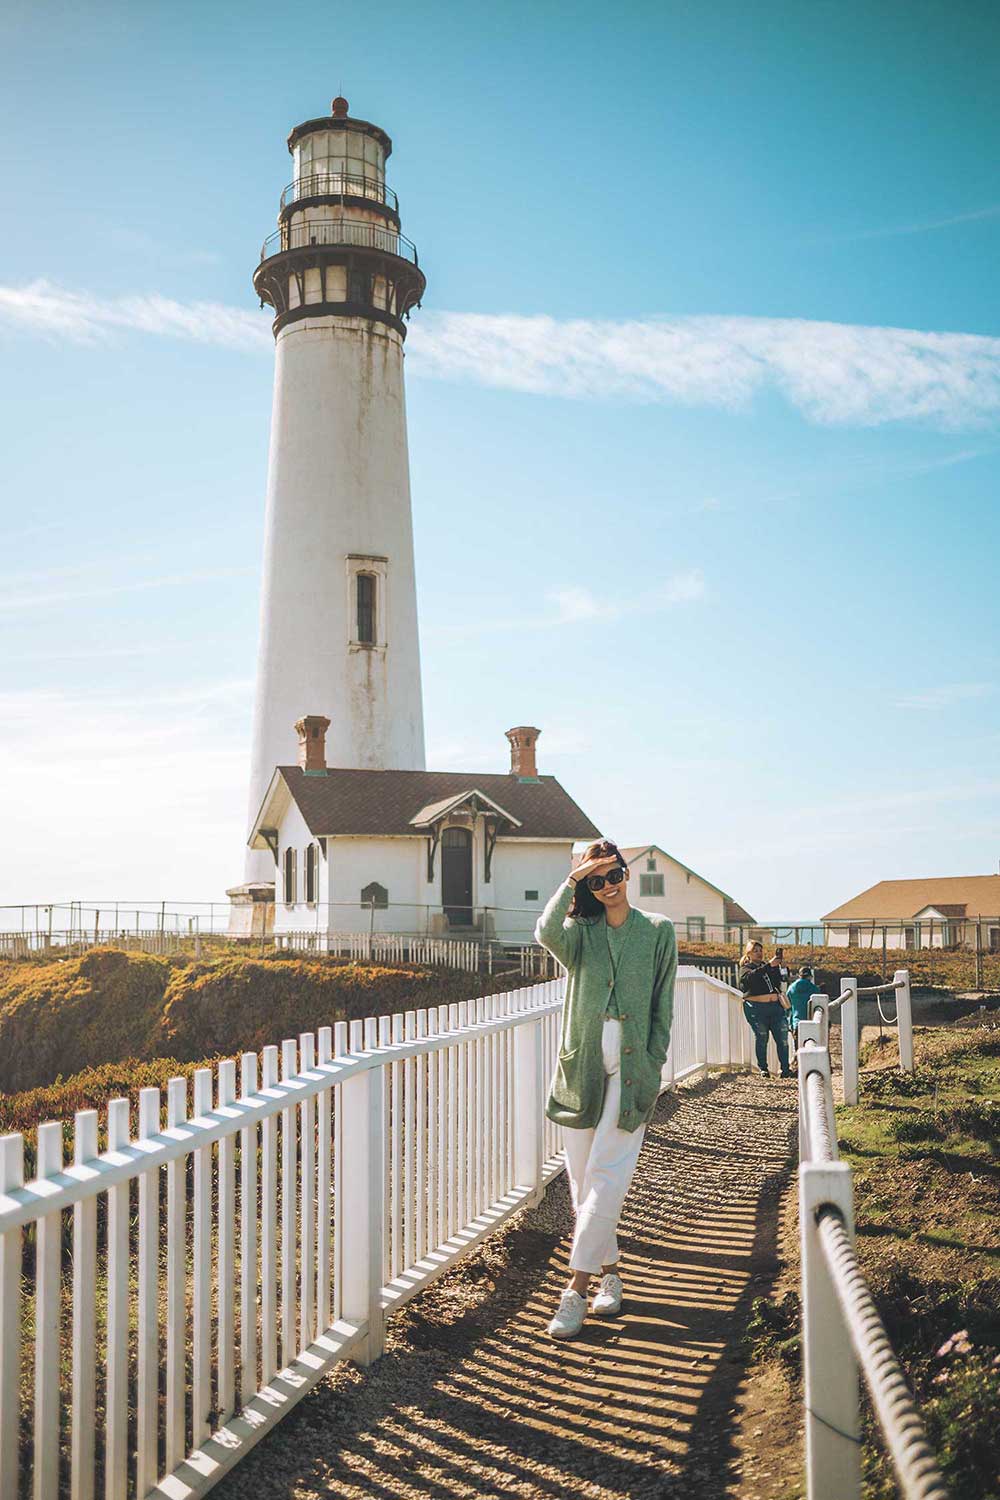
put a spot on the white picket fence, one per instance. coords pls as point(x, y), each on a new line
point(841, 1327)
point(192, 1281)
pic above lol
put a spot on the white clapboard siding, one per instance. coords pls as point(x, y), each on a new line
point(340, 1175)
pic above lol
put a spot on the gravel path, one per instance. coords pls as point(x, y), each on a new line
point(472, 1398)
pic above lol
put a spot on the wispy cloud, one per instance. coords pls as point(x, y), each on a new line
point(166, 769)
point(833, 373)
point(947, 695)
point(55, 312)
point(920, 226)
point(575, 604)
point(35, 600)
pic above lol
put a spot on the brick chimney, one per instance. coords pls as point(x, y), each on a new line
point(522, 750)
point(311, 730)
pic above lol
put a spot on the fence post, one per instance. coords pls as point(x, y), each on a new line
point(904, 1020)
point(821, 1002)
point(699, 1008)
point(833, 1435)
point(810, 1059)
point(528, 1110)
point(361, 1228)
point(849, 1038)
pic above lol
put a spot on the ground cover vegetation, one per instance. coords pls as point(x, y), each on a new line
point(932, 968)
point(62, 1018)
point(926, 1159)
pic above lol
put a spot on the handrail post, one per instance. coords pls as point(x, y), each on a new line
point(807, 1031)
point(830, 1366)
point(904, 1019)
point(821, 1002)
point(849, 1038)
point(362, 1100)
point(528, 1108)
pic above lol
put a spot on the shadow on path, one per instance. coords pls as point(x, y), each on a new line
point(472, 1398)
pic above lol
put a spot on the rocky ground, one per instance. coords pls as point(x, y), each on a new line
point(472, 1398)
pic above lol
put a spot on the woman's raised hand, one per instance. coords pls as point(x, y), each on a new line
point(597, 866)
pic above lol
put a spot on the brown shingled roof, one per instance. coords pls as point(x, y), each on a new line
point(381, 803)
point(735, 915)
point(978, 894)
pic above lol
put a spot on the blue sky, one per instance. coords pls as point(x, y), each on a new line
point(704, 411)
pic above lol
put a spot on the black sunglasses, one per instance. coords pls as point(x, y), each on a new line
point(598, 882)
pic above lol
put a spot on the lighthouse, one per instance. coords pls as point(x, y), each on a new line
point(338, 622)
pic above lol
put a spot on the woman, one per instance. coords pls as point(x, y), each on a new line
point(764, 1006)
point(621, 964)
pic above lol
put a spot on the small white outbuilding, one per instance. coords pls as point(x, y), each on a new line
point(441, 853)
point(699, 910)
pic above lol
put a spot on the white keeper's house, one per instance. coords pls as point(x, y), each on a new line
point(948, 911)
point(440, 853)
point(698, 909)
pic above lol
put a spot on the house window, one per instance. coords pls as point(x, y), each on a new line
point(289, 877)
point(650, 885)
point(311, 874)
point(696, 929)
point(651, 864)
point(854, 937)
point(909, 937)
point(994, 939)
point(531, 895)
point(375, 895)
point(366, 609)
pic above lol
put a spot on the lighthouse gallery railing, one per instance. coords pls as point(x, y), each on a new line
point(349, 232)
point(229, 1254)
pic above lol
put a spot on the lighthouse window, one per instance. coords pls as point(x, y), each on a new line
point(289, 874)
point(311, 870)
point(359, 287)
point(366, 609)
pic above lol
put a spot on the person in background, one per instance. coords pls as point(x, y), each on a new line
point(784, 973)
point(800, 995)
point(764, 1006)
point(621, 964)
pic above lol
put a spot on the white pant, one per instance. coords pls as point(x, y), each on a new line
point(600, 1164)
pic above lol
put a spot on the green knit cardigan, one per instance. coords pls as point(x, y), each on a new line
point(644, 991)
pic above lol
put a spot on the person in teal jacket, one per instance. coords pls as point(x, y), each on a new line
point(800, 994)
point(621, 964)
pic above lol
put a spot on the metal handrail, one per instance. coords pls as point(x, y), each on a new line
point(356, 232)
point(339, 185)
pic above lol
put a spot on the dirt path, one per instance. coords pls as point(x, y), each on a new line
point(472, 1398)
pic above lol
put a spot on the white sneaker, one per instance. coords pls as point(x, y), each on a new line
point(608, 1301)
point(569, 1319)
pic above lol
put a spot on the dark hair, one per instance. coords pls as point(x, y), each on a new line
point(585, 904)
point(806, 972)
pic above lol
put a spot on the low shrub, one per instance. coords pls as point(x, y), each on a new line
point(62, 1017)
point(89, 1089)
point(774, 1331)
point(58, 1019)
point(247, 1003)
point(921, 1125)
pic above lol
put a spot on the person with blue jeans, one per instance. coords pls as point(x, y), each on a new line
point(763, 1007)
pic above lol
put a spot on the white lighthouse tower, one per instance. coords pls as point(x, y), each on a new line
point(338, 632)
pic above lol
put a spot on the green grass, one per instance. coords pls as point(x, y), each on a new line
point(926, 1163)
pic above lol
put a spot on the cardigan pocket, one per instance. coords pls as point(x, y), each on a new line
point(567, 1085)
point(652, 1073)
